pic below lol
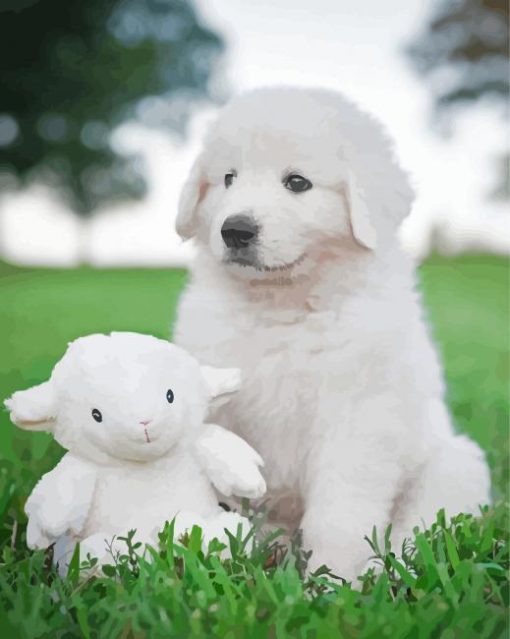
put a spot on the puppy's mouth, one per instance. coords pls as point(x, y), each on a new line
point(264, 268)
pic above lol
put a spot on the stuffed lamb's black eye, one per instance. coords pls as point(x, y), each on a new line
point(229, 178)
point(169, 396)
point(297, 183)
point(96, 414)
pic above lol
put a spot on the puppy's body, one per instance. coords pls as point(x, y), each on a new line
point(342, 389)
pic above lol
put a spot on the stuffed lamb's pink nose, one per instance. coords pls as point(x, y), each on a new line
point(146, 422)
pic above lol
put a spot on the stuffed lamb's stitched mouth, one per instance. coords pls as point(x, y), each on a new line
point(143, 439)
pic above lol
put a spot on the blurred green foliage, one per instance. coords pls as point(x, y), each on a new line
point(467, 42)
point(463, 55)
point(73, 70)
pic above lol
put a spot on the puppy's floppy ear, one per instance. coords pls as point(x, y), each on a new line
point(34, 408)
point(192, 193)
point(362, 228)
point(221, 383)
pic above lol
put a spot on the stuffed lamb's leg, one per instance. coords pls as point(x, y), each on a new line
point(60, 502)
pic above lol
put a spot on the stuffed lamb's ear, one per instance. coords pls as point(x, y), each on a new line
point(362, 227)
point(221, 383)
point(34, 408)
point(192, 193)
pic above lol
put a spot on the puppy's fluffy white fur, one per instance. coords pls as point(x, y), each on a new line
point(343, 392)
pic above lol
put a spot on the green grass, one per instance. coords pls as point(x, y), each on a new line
point(453, 583)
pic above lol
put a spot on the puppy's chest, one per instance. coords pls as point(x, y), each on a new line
point(282, 367)
point(295, 341)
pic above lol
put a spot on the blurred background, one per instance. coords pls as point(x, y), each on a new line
point(102, 107)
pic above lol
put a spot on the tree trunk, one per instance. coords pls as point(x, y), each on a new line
point(84, 252)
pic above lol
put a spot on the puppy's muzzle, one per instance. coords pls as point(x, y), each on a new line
point(239, 232)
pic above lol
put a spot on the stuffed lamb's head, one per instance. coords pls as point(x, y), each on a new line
point(123, 396)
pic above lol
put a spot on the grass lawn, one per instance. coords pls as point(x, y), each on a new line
point(453, 584)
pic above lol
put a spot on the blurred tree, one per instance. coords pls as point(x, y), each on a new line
point(463, 53)
point(72, 70)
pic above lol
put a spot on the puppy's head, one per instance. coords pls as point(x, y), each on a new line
point(287, 174)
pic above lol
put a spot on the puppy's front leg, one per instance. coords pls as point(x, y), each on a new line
point(350, 486)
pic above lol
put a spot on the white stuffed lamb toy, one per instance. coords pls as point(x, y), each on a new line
point(130, 410)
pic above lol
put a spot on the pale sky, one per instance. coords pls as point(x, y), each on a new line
point(341, 44)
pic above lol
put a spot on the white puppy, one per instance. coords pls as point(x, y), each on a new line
point(300, 282)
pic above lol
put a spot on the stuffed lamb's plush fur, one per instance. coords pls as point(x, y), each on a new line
point(130, 410)
point(315, 302)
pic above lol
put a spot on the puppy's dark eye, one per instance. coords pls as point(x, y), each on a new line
point(169, 396)
point(229, 178)
point(297, 183)
point(96, 414)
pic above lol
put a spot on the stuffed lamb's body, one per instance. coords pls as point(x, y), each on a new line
point(130, 410)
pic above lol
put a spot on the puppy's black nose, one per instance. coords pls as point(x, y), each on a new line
point(239, 231)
